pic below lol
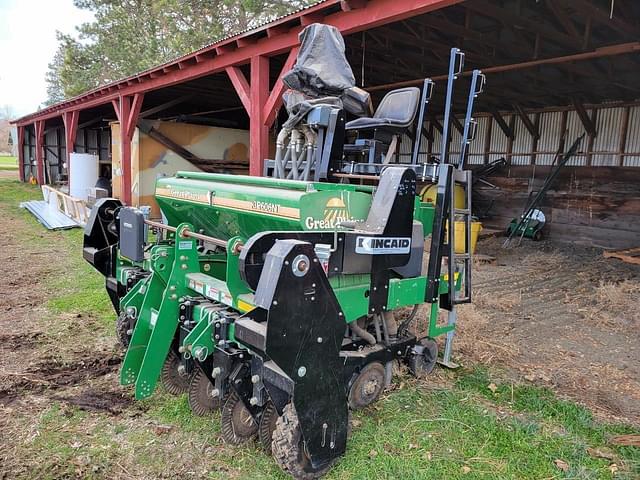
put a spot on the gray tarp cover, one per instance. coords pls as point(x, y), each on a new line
point(321, 69)
point(320, 75)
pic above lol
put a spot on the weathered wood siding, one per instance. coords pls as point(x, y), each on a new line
point(598, 206)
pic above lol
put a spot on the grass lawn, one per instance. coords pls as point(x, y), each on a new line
point(8, 163)
point(471, 423)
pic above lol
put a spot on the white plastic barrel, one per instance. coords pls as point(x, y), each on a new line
point(83, 174)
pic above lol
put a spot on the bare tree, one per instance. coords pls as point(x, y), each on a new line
point(6, 114)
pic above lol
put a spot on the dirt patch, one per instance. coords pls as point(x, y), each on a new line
point(562, 316)
point(19, 340)
point(47, 375)
point(97, 400)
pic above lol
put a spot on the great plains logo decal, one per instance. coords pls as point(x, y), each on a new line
point(335, 211)
point(383, 245)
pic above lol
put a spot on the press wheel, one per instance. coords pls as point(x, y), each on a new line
point(422, 364)
point(238, 425)
point(124, 325)
point(367, 386)
point(267, 425)
point(173, 376)
point(201, 400)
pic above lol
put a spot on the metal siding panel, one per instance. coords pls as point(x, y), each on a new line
point(454, 148)
point(476, 147)
point(437, 142)
point(51, 141)
point(633, 139)
point(80, 147)
point(574, 130)
point(499, 141)
point(92, 141)
point(550, 123)
point(608, 125)
point(522, 143)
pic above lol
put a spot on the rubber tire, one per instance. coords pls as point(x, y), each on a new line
point(229, 432)
point(422, 365)
point(357, 387)
point(171, 380)
point(123, 325)
point(288, 448)
point(267, 426)
point(200, 400)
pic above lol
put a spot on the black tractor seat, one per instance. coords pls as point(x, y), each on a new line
point(396, 112)
point(376, 138)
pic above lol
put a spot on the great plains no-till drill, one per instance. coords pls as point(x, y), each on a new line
point(276, 299)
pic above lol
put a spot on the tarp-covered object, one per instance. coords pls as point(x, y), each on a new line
point(321, 69)
point(321, 76)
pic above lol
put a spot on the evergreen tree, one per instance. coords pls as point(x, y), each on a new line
point(129, 36)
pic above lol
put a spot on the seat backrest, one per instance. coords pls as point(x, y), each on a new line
point(399, 106)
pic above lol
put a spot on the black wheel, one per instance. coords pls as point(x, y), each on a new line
point(201, 400)
point(422, 363)
point(173, 377)
point(238, 425)
point(288, 447)
point(367, 386)
point(267, 426)
point(124, 329)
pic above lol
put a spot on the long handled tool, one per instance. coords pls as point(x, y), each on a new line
point(534, 202)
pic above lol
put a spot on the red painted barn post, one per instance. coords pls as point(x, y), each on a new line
point(261, 105)
point(21, 152)
point(39, 128)
point(70, 120)
point(127, 110)
point(274, 102)
point(258, 131)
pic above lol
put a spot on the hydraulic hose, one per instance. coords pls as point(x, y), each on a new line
point(280, 141)
point(404, 325)
point(362, 333)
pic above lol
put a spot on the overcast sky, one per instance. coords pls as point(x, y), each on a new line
point(27, 45)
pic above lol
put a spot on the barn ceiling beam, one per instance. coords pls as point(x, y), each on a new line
point(274, 102)
point(348, 5)
point(586, 120)
point(241, 85)
point(563, 18)
point(442, 24)
point(514, 21)
point(397, 36)
point(436, 123)
point(504, 126)
point(609, 51)
point(603, 17)
point(164, 106)
point(526, 121)
point(456, 123)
